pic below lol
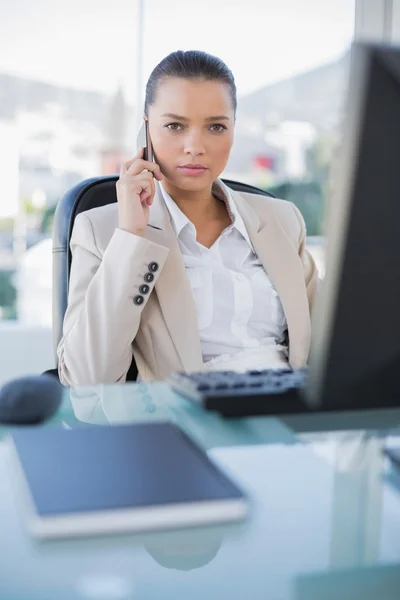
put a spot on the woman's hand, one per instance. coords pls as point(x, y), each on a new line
point(135, 193)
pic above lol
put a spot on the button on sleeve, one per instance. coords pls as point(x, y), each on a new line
point(153, 267)
point(149, 277)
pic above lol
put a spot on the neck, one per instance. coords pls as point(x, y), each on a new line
point(198, 206)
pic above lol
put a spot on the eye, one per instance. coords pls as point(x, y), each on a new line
point(174, 126)
point(218, 127)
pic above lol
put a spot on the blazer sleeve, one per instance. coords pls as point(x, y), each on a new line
point(310, 268)
point(102, 318)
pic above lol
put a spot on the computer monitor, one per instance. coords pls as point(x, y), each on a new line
point(355, 350)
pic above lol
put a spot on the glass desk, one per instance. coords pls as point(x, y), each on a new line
point(324, 524)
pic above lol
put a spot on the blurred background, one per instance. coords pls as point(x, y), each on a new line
point(72, 81)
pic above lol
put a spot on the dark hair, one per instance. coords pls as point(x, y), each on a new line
point(190, 64)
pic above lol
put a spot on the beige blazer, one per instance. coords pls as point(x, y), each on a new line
point(103, 325)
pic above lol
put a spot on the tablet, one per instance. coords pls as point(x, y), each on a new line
point(113, 479)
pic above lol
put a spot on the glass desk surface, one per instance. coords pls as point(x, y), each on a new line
point(324, 523)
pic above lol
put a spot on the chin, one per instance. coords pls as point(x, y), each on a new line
point(192, 183)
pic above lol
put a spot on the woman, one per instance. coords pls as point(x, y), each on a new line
point(183, 273)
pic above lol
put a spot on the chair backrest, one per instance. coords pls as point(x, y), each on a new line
point(88, 194)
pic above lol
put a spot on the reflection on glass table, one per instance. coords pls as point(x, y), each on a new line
point(325, 504)
point(355, 457)
point(366, 584)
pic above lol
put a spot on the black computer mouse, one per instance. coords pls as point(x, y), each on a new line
point(30, 400)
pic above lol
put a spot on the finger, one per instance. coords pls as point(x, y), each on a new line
point(128, 163)
point(146, 199)
point(139, 183)
point(140, 165)
point(147, 188)
point(143, 180)
point(158, 175)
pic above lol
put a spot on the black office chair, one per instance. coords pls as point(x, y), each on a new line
point(91, 193)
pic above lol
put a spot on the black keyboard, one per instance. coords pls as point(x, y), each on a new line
point(269, 392)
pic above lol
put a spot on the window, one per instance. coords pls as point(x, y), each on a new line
point(66, 74)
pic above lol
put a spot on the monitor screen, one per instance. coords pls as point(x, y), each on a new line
point(355, 351)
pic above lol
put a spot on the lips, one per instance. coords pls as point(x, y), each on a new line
point(192, 169)
point(192, 166)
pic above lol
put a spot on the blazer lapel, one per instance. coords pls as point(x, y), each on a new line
point(278, 256)
point(173, 288)
point(285, 269)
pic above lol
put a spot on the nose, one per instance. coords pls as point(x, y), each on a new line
point(193, 143)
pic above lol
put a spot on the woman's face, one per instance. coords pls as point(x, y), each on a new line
point(191, 123)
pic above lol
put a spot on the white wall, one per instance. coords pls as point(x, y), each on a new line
point(24, 350)
point(378, 20)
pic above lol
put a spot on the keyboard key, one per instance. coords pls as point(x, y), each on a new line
point(203, 387)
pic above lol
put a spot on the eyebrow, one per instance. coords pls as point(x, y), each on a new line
point(180, 118)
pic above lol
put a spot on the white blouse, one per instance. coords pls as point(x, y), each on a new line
point(238, 308)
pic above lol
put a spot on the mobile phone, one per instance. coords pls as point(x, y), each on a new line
point(144, 141)
point(148, 148)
